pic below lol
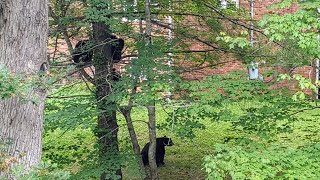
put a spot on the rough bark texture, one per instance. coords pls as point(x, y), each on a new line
point(23, 48)
point(107, 130)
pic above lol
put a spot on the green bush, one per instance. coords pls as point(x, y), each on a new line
point(67, 147)
point(259, 161)
point(44, 171)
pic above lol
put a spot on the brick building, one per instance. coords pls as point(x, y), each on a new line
point(256, 9)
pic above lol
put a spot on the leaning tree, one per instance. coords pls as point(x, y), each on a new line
point(23, 50)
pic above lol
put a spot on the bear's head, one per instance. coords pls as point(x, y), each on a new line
point(165, 141)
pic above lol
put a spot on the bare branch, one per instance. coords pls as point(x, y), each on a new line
point(66, 97)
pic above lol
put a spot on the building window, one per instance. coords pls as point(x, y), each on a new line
point(224, 3)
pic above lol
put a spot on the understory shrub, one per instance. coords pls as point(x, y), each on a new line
point(260, 161)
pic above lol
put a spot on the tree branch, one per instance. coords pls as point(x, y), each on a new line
point(66, 97)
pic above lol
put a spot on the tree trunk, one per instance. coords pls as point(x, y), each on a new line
point(151, 107)
point(23, 48)
point(107, 130)
point(126, 111)
point(153, 142)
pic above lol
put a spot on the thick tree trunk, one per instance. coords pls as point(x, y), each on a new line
point(107, 130)
point(23, 48)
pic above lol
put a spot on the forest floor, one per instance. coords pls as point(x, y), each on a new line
point(70, 147)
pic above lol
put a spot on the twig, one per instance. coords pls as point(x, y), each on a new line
point(66, 97)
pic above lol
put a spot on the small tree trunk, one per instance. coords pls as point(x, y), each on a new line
point(134, 140)
point(126, 111)
point(148, 20)
point(23, 48)
point(153, 142)
point(151, 108)
point(107, 130)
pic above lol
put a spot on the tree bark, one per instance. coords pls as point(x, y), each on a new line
point(153, 142)
point(134, 140)
point(151, 107)
point(107, 130)
point(23, 48)
point(148, 20)
point(126, 111)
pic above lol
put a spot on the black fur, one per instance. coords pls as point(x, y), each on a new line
point(115, 75)
point(83, 51)
point(116, 48)
point(160, 150)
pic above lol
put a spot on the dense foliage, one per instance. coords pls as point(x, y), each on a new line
point(259, 161)
point(224, 126)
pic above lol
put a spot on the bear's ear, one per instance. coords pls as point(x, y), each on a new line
point(164, 136)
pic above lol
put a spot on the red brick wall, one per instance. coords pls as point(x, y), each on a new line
point(231, 63)
point(260, 8)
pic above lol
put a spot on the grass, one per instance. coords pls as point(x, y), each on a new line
point(184, 160)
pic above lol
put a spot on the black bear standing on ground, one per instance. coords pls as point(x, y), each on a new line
point(83, 51)
point(160, 150)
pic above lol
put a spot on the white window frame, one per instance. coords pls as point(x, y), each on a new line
point(224, 3)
